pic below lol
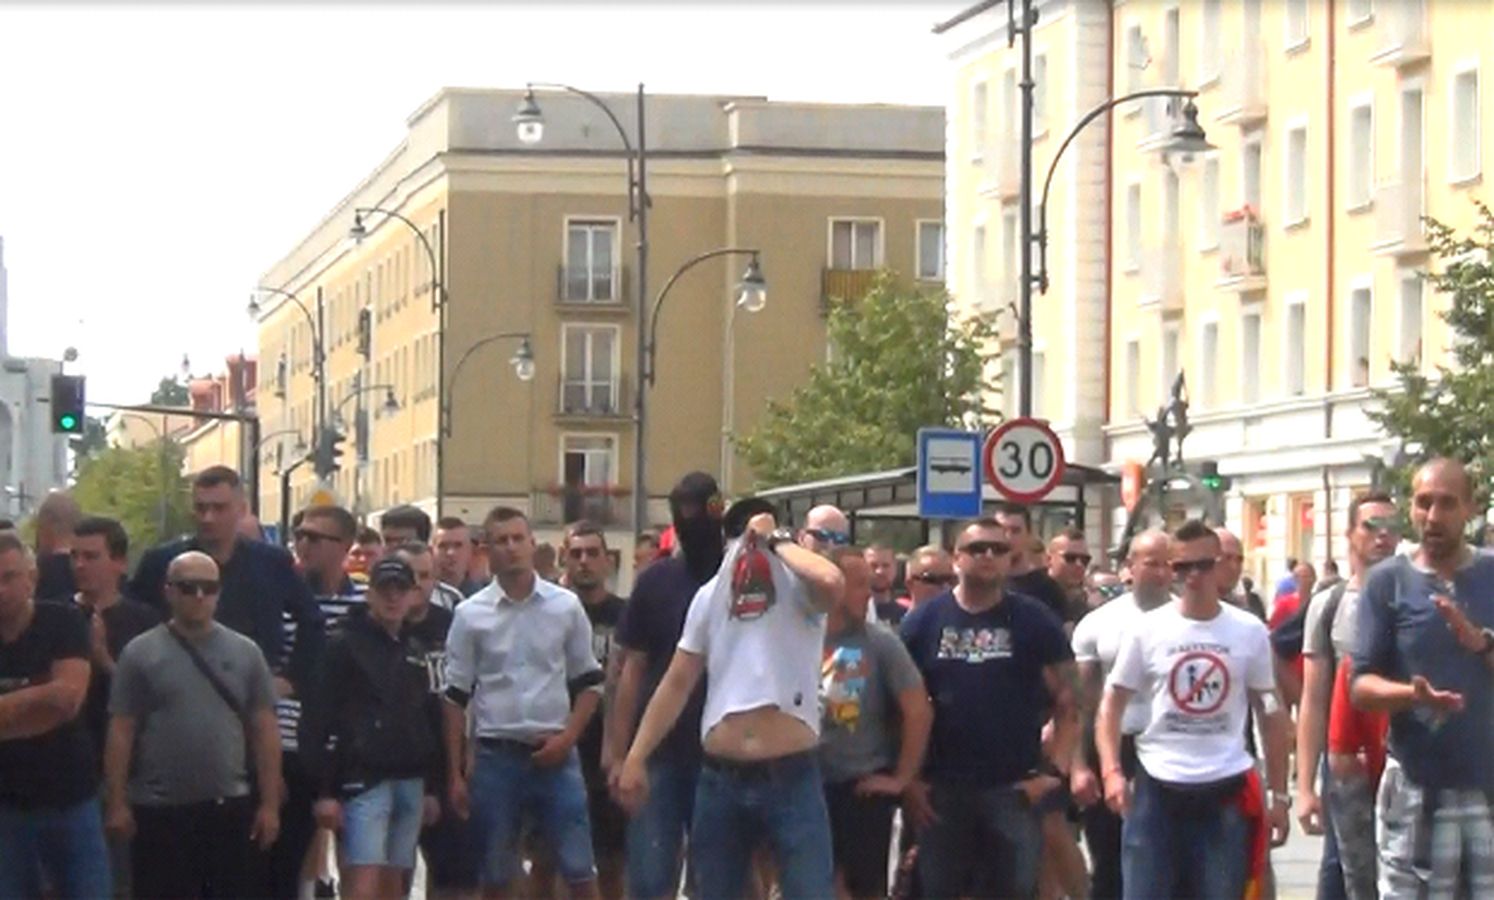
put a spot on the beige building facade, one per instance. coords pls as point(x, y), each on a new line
point(537, 240)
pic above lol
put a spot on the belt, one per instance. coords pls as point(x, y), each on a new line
point(510, 745)
point(744, 769)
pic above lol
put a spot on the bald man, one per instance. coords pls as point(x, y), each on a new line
point(825, 528)
point(1231, 565)
point(188, 697)
point(56, 518)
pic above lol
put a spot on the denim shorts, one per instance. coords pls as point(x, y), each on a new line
point(507, 786)
point(381, 825)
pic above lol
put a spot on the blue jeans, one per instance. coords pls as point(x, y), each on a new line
point(738, 805)
point(986, 843)
point(507, 785)
point(656, 834)
point(66, 844)
point(382, 824)
point(1165, 845)
point(1330, 868)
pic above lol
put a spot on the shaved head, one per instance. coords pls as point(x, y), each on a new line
point(1447, 473)
point(827, 517)
point(192, 564)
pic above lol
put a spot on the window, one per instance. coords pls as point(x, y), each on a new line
point(588, 459)
point(979, 132)
point(1463, 149)
point(1250, 174)
point(1011, 113)
point(1040, 382)
point(930, 251)
point(590, 369)
point(1172, 47)
point(1011, 249)
point(1360, 11)
point(1361, 156)
point(1210, 24)
point(1133, 227)
point(590, 271)
point(1410, 349)
point(1296, 348)
point(1169, 357)
point(1040, 93)
point(1137, 59)
point(1250, 357)
point(1208, 205)
point(978, 275)
point(1133, 377)
point(1009, 389)
point(1294, 190)
point(1359, 336)
point(1208, 358)
point(1296, 23)
point(855, 244)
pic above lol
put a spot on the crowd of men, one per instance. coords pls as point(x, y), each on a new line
point(765, 713)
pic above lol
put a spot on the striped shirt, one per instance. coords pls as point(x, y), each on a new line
point(335, 608)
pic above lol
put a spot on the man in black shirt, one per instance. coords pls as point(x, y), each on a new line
point(50, 824)
point(1028, 576)
point(56, 518)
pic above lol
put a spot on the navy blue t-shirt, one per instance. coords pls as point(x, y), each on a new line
point(651, 624)
point(984, 673)
point(1400, 634)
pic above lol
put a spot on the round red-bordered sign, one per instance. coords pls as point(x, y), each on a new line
point(1204, 694)
point(1023, 460)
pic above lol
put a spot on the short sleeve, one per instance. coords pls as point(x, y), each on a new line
point(579, 658)
point(1316, 637)
point(911, 632)
point(1086, 640)
point(633, 625)
point(1260, 675)
point(896, 663)
point(1374, 630)
point(696, 635)
point(261, 688)
point(461, 655)
point(1052, 643)
point(71, 638)
point(1129, 671)
point(129, 691)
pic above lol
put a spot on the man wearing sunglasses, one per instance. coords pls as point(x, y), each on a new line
point(1027, 573)
point(995, 662)
point(930, 573)
point(192, 706)
point(1068, 564)
point(1195, 816)
point(1345, 812)
point(825, 528)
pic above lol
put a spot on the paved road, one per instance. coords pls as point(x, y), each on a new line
point(1296, 865)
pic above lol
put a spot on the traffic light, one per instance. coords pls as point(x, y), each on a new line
point(67, 404)
point(1210, 478)
point(328, 452)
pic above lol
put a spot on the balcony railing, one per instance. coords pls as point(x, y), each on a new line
point(1398, 210)
point(1163, 268)
point(560, 505)
point(578, 398)
point(848, 285)
point(1243, 81)
point(1402, 32)
point(1242, 250)
point(583, 284)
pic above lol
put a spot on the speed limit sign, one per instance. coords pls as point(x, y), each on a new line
point(1023, 460)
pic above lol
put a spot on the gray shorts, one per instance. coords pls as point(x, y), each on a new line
point(1454, 859)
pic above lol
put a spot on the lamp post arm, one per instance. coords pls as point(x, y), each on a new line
point(438, 289)
point(358, 393)
point(265, 439)
point(316, 332)
point(647, 376)
point(634, 201)
point(457, 370)
point(1042, 231)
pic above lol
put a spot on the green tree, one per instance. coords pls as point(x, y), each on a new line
point(1449, 413)
point(899, 362)
point(142, 487)
point(170, 392)
point(95, 437)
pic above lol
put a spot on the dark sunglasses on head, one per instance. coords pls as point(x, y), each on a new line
point(838, 538)
point(197, 587)
point(584, 552)
point(1382, 523)
point(1081, 559)
point(932, 578)
point(315, 537)
point(986, 548)
point(1189, 566)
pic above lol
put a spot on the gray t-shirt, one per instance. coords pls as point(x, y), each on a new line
point(1324, 638)
point(189, 746)
point(863, 671)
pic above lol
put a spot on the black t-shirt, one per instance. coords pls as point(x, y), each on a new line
point(57, 769)
point(984, 673)
point(604, 617)
point(54, 576)
point(123, 622)
point(1040, 586)
point(890, 613)
point(428, 637)
point(651, 625)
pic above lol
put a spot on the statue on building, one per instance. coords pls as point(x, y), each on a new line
point(1179, 410)
point(1162, 431)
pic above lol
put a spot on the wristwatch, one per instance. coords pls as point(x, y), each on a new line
point(1273, 798)
point(780, 536)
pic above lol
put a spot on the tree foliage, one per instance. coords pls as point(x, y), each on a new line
point(898, 362)
point(170, 392)
point(129, 484)
point(94, 439)
point(1448, 412)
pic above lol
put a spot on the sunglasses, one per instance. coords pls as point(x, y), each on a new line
point(825, 535)
point(945, 580)
point(986, 548)
point(1382, 523)
point(196, 587)
point(314, 537)
point(584, 552)
point(1081, 559)
point(1187, 567)
point(1111, 591)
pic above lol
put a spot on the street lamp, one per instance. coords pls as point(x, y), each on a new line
point(529, 122)
point(389, 407)
point(318, 356)
point(522, 361)
point(752, 296)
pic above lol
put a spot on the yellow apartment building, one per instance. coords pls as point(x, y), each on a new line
point(536, 239)
point(1282, 271)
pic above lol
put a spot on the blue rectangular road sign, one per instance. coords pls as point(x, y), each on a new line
point(949, 473)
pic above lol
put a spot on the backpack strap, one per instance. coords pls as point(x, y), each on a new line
point(1330, 612)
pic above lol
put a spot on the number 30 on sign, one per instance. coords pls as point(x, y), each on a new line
point(1023, 460)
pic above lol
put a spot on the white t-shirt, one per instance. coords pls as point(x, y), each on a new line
point(756, 657)
point(1097, 638)
point(1198, 676)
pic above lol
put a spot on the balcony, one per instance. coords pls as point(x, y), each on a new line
point(1243, 86)
point(1398, 226)
point(1242, 251)
point(848, 285)
point(561, 504)
point(591, 287)
point(1162, 267)
point(1402, 32)
point(577, 398)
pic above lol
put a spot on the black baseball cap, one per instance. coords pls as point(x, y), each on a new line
point(392, 570)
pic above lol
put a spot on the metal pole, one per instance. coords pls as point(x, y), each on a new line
point(638, 197)
point(441, 395)
point(1024, 313)
point(321, 359)
point(161, 464)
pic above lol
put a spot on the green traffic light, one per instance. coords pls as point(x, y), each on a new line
point(68, 421)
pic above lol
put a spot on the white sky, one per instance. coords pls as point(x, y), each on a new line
point(154, 160)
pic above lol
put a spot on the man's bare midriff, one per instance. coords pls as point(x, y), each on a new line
point(756, 734)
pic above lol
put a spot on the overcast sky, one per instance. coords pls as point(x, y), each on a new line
point(155, 159)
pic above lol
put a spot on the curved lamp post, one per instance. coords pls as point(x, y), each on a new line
point(529, 121)
point(318, 354)
point(522, 361)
